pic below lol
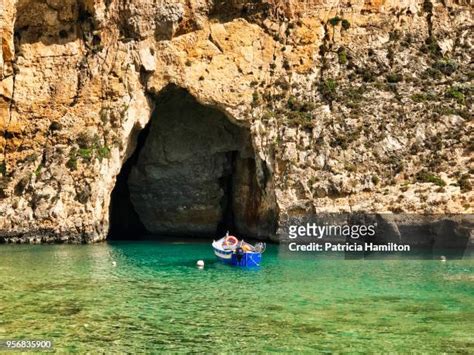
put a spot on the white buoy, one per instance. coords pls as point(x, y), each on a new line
point(200, 264)
point(443, 258)
point(114, 263)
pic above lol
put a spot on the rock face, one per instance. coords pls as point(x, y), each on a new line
point(324, 106)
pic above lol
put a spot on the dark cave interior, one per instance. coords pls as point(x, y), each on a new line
point(193, 174)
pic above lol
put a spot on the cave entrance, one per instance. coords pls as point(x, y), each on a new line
point(193, 174)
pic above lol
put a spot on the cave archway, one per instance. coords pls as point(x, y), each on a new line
point(194, 173)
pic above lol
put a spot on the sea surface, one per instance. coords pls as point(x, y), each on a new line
point(150, 296)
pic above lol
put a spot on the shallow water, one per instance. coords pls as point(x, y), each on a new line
point(156, 299)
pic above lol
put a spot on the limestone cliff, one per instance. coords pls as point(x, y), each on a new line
point(324, 106)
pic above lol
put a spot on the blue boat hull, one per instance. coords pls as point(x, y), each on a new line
point(245, 260)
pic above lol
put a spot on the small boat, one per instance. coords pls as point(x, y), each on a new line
point(236, 252)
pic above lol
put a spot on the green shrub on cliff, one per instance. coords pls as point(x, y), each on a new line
point(394, 35)
point(301, 119)
point(354, 94)
point(55, 126)
point(456, 93)
point(292, 103)
point(335, 21)
point(328, 89)
point(71, 164)
point(298, 105)
point(445, 66)
point(89, 148)
point(432, 73)
point(298, 112)
point(38, 169)
point(342, 56)
point(422, 97)
point(425, 176)
point(350, 167)
point(394, 78)
point(268, 115)
point(85, 153)
point(368, 75)
point(343, 140)
point(255, 99)
point(432, 47)
point(103, 152)
point(345, 24)
point(427, 6)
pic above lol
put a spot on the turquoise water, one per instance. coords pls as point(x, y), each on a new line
point(155, 299)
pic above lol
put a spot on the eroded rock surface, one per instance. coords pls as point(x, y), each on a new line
point(350, 105)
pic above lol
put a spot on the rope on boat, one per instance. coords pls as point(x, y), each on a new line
point(250, 257)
